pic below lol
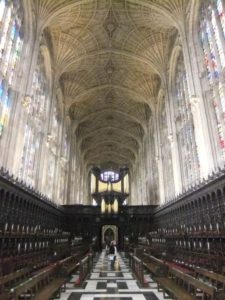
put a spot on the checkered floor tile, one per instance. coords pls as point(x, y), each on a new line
point(107, 283)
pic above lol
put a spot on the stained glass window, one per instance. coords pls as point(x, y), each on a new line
point(37, 107)
point(185, 127)
point(212, 36)
point(109, 176)
point(52, 153)
point(11, 42)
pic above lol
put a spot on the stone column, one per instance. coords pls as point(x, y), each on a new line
point(150, 183)
point(158, 159)
point(58, 161)
point(72, 174)
point(172, 138)
point(134, 186)
point(176, 163)
point(86, 181)
point(205, 157)
point(71, 167)
point(78, 176)
point(202, 138)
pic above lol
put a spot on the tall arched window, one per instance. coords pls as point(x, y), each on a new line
point(11, 42)
point(212, 35)
point(52, 154)
point(166, 154)
point(64, 165)
point(185, 127)
point(37, 111)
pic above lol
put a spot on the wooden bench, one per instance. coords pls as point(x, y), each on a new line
point(47, 281)
point(10, 279)
point(66, 267)
point(5, 296)
point(157, 267)
point(31, 286)
point(179, 282)
point(215, 279)
point(58, 284)
point(85, 267)
point(136, 265)
point(159, 270)
point(52, 290)
point(170, 288)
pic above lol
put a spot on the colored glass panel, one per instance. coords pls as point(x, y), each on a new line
point(10, 52)
point(185, 127)
point(36, 116)
point(212, 34)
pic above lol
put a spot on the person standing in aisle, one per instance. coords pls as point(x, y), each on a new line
point(112, 254)
point(115, 250)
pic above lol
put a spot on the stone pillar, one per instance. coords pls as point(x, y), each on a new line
point(134, 186)
point(144, 174)
point(150, 155)
point(205, 157)
point(58, 161)
point(71, 169)
point(176, 163)
point(161, 181)
point(86, 199)
point(81, 183)
point(159, 162)
point(73, 165)
point(204, 149)
point(71, 189)
point(172, 138)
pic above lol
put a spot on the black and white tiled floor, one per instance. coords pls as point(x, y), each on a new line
point(107, 284)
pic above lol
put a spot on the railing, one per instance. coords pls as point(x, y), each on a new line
point(137, 267)
point(85, 267)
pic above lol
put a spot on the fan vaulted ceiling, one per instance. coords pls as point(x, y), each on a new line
point(109, 57)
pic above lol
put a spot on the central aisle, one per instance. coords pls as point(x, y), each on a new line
point(107, 284)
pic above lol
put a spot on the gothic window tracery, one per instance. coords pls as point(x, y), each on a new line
point(185, 127)
point(212, 36)
point(109, 176)
point(11, 42)
point(52, 153)
point(37, 107)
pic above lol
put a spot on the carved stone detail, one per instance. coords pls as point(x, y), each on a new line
point(110, 24)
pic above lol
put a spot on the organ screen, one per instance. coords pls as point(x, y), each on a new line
point(93, 183)
point(102, 186)
point(116, 186)
point(126, 184)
